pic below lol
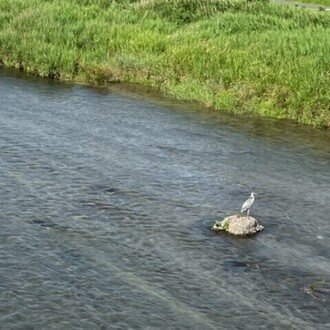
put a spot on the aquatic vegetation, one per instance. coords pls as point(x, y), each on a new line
point(317, 288)
point(241, 56)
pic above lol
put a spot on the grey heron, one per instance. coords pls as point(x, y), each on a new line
point(247, 204)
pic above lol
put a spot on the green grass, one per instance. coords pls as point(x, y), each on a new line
point(317, 2)
point(232, 55)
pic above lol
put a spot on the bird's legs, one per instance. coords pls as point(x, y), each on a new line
point(248, 212)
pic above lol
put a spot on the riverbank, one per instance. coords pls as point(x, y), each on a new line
point(238, 56)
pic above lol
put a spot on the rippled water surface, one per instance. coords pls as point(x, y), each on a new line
point(106, 204)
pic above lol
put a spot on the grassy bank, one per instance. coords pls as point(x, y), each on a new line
point(238, 55)
point(317, 2)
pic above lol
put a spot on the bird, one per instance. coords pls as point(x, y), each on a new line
point(248, 203)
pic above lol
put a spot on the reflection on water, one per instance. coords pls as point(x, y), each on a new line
point(107, 199)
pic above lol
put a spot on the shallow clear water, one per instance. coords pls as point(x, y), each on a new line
point(107, 199)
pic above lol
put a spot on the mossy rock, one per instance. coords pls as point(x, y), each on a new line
point(238, 225)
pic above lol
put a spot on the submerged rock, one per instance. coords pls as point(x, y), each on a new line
point(238, 225)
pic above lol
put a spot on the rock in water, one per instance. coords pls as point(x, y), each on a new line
point(238, 225)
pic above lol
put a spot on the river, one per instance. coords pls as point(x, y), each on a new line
point(106, 203)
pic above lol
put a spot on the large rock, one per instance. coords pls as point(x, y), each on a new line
point(238, 225)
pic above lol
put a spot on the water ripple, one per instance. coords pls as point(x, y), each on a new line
point(107, 201)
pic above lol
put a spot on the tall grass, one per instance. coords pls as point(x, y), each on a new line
point(234, 55)
point(317, 2)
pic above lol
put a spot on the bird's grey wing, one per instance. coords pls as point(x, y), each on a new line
point(247, 204)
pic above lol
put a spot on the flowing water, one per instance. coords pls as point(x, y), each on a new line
point(106, 204)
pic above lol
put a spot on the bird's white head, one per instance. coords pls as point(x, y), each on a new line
point(253, 194)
